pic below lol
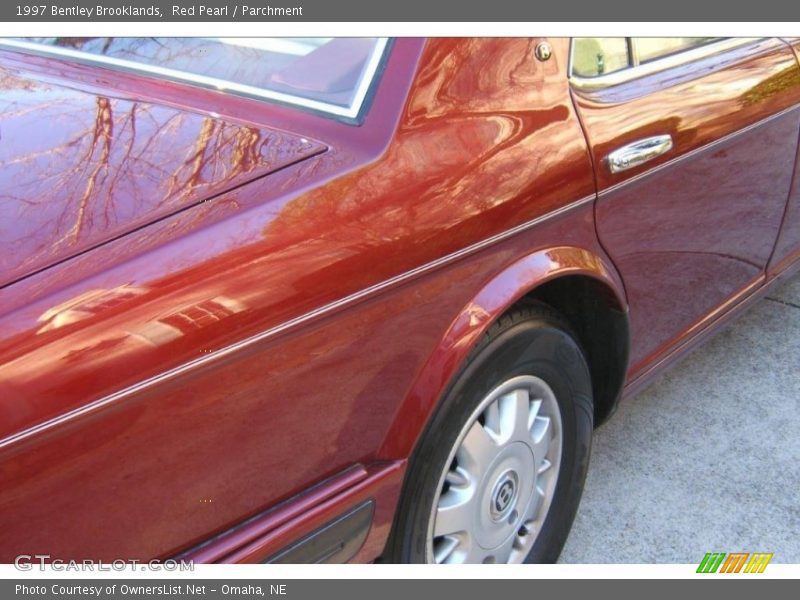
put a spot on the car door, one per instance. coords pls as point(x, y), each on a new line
point(787, 248)
point(694, 142)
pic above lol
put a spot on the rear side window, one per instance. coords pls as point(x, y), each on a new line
point(331, 75)
point(597, 56)
point(594, 57)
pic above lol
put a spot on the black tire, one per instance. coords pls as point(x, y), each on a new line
point(534, 340)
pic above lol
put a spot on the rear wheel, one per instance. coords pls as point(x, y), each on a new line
point(499, 472)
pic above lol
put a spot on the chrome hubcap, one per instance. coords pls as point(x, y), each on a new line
point(497, 488)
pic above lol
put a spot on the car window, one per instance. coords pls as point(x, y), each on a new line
point(328, 74)
point(648, 49)
point(597, 56)
point(594, 57)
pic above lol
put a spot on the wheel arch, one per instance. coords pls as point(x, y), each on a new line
point(579, 283)
point(601, 324)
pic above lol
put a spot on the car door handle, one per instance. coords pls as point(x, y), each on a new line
point(638, 153)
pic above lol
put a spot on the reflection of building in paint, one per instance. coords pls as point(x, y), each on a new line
point(177, 323)
point(87, 305)
point(187, 319)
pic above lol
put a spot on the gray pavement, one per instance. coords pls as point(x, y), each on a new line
point(708, 457)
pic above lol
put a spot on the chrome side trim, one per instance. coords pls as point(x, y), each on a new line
point(662, 64)
point(290, 324)
point(696, 151)
point(212, 83)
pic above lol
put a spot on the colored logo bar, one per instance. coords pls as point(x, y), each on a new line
point(735, 562)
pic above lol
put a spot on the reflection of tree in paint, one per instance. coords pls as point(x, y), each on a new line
point(786, 80)
point(108, 156)
point(102, 165)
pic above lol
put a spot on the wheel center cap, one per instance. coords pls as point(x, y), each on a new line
point(504, 495)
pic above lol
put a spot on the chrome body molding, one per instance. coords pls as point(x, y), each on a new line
point(211, 357)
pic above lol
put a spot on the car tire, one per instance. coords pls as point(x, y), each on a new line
point(498, 474)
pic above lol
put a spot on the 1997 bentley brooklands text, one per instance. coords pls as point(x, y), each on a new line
point(287, 300)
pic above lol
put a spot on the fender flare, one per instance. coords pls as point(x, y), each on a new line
point(490, 303)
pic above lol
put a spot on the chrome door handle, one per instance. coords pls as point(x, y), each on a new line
point(638, 153)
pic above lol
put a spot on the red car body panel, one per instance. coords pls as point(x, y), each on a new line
point(701, 224)
point(105, 166)
point(787, 248)
point(177, 381)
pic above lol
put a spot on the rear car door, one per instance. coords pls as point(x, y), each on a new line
point(694, 142)
point(787, 248)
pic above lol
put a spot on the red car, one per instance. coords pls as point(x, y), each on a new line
point(285, 300)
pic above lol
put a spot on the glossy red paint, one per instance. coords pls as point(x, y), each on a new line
point(488, 304)
point(706, 329)
point(189, 372)
point(181, 311)
point(107, 166)
point(262, 536)
point(260, 526)
point(698, 229)
point(382, 485)
point(787, 248)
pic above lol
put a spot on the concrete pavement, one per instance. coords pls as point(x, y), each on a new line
point(708, 457)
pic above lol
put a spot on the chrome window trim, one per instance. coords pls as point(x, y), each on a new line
point(638, 71)
point(241, 89)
